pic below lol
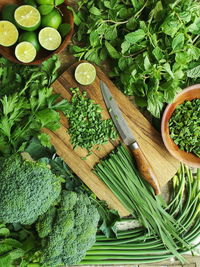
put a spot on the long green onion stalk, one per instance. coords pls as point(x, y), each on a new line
point(167, 230)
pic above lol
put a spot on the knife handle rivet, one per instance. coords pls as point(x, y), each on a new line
point(134, 146)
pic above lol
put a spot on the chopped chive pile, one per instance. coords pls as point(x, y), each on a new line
point(184, 126)
point(86, 125)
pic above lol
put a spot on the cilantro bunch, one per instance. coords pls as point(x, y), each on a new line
point(149, 45)
point(27, 103)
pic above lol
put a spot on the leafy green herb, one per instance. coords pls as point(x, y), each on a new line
point(27, 103)
point(149, 45)
point(86, 126)
point(184, 126)
point(194, 72)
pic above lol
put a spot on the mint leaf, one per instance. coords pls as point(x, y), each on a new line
point(194, 73)
point(135, 36)
point(95, 11)
point(111, 50)
point(178, 41)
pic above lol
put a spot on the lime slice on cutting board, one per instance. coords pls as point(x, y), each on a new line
point(49, 38)
point(8, 33)
point(85, 73)
point(27, 17)
point(25, 52)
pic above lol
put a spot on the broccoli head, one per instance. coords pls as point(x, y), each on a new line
point(27, 189)
point(70, 231)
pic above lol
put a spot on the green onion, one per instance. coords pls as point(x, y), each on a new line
point(147, 244)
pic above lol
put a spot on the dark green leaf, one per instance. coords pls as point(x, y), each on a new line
point(111, 50)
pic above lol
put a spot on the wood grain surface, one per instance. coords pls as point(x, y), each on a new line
point(150, 142)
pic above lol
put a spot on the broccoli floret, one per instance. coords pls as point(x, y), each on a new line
point(27, 189)
point(73, 230)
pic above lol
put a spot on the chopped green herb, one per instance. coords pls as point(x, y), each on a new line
point(184, 126)
point(86, 126)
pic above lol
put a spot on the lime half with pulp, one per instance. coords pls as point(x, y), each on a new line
point(8, 33)
point(27, 17)
point(25, 52)
point(49, 38)
point(85, 73)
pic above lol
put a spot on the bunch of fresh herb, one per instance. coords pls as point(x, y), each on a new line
point(184, 126)
point(86, 126)
point(149, 44)
point(137, 246)
point(119, 173)
point(27, 103)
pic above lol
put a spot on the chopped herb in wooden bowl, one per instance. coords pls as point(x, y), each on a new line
point(184, 126)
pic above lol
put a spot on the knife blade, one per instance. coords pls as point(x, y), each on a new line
point(128, 138)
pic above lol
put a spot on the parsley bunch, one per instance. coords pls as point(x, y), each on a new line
point(184, 126)
point(149, 44)
point(27, 103)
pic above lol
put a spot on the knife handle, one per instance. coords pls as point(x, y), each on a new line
point(144, 167)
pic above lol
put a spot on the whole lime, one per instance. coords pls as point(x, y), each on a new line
point(30, 3)
point(8, 12)
point(30, 37)
point(52, 19)
point(45, 2)
point(50, 2)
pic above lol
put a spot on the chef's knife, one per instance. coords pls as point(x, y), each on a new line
point(128, 138)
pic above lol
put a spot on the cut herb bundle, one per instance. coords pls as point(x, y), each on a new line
point(86, 126)
point(184, 126)
point(150, 44)
point(118, 171)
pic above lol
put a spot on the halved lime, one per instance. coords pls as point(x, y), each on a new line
point(85, 73)
point(49, 38)
point(27, 17)
point(25, 52)
point(8, 33)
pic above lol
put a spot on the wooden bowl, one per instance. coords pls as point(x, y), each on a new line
point(8, 52)
point(190, 159)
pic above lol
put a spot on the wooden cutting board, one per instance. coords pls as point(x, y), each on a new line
point(162, 163)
